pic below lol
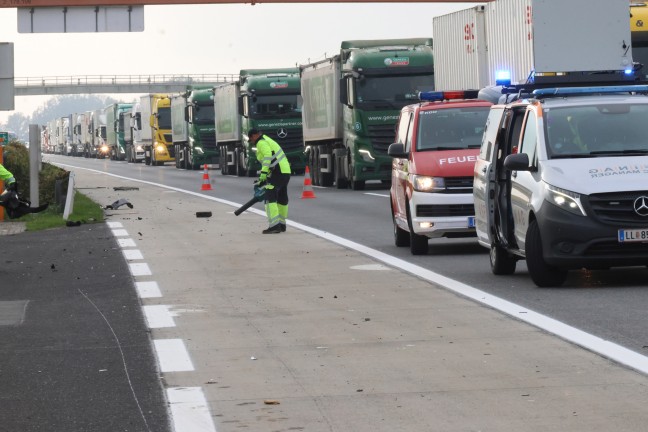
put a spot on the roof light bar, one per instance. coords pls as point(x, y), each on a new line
point(435, 96)
point(589, 90)
point(503, 78)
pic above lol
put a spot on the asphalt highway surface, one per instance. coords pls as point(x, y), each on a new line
point(609, 304)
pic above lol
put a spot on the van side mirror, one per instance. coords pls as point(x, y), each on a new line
point(517, 162)
point(397, 150)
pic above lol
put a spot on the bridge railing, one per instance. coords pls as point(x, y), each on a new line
point(85, 80)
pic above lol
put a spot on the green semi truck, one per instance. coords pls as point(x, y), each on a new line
point(265, 99)
point(351, 103)
point(117, 120)
point(192, 128)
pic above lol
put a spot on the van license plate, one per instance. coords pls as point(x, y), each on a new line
point(633, 235)
point(471, 222)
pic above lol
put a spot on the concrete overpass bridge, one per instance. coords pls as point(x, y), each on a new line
point(98, 84)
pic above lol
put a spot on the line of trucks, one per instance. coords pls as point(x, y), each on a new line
point(354, 117)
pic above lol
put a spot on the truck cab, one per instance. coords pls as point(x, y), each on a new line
point(560, 181)
point(434, 153)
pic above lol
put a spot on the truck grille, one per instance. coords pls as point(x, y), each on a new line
point(291, 142)
point(617, 207)
point(446, 210)
point(458, 185)
point(208, 139)
point(381, 137)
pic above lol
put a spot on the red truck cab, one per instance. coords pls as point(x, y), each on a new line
point(436, 147)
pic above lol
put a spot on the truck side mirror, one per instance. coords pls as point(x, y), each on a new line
point(344, 94)
point(152, 120)
point(186, 113)
point(241, 106)
point(397, 150)
point(517, 162)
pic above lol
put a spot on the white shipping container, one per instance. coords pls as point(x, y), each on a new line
point(460, 55)
point(509, 37)
point(557, 36)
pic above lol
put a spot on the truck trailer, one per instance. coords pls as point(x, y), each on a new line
point(193, 128)
point(117, 120)
point(475, 47)
point(134, 148)
point(351, 103)
point(265, 99)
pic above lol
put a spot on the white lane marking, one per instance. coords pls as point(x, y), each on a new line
point(588, 341)
point(148, 289)
point(132, 254)
point(370, 267)
point(114, 224)
point(189, 410)
point(128, 242)
point(376, 194)
point(172, 355)
point(158, 316)
point(120, 233)
point(139, 269)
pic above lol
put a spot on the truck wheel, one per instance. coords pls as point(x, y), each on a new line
point(240, 167)
point(418, 243)
point(355, 184)
point(501, 262)
point(316, 174)
point(401, 237)
point(176, 149)
point(338, 169)
point(222, 161)
point(542, 274)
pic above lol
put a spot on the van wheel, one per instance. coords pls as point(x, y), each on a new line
point(542, 274)
point(501, 262)
point(418, 243)
point(401, 237)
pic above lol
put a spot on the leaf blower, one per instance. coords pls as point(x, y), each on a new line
point(259, 195)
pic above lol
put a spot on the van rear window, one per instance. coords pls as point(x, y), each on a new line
point(451, 128)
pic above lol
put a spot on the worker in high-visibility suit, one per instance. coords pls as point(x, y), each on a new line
point(275, 175)
point(10, 181)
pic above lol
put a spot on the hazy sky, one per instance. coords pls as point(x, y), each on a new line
point(210, 39)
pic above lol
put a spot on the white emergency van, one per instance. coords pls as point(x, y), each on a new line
point(561, 180)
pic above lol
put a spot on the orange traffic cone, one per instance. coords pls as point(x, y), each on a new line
point(308, 187)
point(206, 185)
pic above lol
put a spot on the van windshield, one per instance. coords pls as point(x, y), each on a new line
point(596, 130)
point(451, 128)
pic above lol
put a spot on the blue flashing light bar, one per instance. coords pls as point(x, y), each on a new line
point(503, 78)
point(435, 96)
point(590, 90)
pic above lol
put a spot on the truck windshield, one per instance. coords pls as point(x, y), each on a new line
point(596, 130)
point(204, 114)
point(164, 118)
point(451, 128)
point(264, 106)
point(393, 91)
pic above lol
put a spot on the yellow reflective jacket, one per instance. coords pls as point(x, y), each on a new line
point(269, 154)
point(5, 175)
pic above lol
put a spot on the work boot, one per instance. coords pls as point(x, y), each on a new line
point(275, 229)
point(283, 227)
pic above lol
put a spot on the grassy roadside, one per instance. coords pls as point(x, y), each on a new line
point(85, 210)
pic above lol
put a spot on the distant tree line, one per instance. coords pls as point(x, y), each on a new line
point(58, 106)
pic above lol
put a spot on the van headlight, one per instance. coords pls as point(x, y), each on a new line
point(427, 184)
point(566, 200)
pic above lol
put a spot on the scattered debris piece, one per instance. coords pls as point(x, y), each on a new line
point(125, 188)
point(203, 214)
point(253, 358)
point(271, 402)
point(73, 223)
point(118, 203)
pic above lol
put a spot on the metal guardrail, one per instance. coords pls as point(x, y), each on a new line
point(112, 80)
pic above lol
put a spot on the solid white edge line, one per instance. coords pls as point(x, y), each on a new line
point(189, 410)
point(172, 355)
point(586, 340)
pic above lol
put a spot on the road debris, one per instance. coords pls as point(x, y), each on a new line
point(118, 203)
